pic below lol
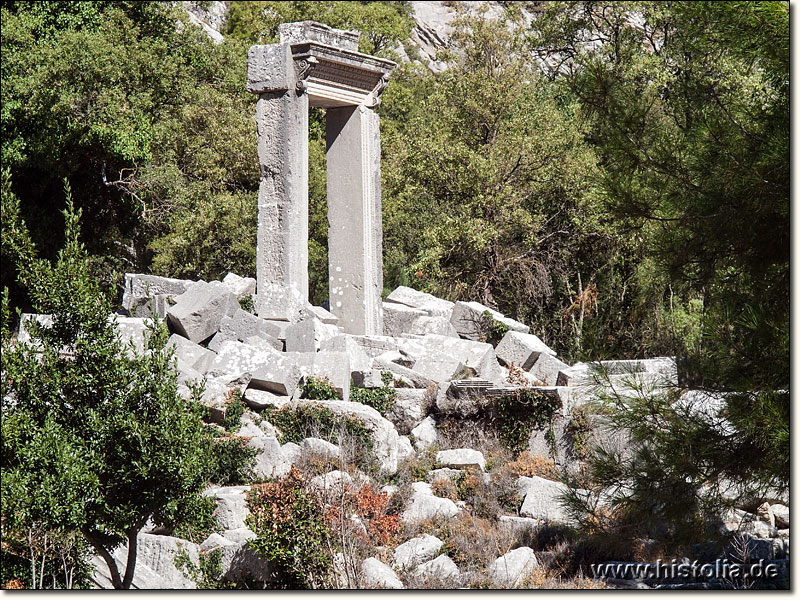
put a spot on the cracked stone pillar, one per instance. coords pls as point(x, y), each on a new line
point(315, 65)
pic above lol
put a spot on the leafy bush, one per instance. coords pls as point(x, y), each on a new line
point(519, 413)
point(191, 520)
point(381, 399)
point(232, 462)
point(318, 388)
point(234, 409)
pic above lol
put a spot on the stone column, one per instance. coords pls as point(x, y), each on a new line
point(355, 232)
point(282, 121)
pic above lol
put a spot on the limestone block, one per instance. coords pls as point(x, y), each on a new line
point(410, 407)
point(268, 371)
point(469, 320)
point(190, 355)
point(333, 366)
point(270, 460)
point(280, 303)
point(242, 325)
point(332, 483)
point(399, 319)
point(270, 69)
point(132, 333)
point(216, 393)
point(765, 514)
point(519, 525)
point(427, 302)
point(375, 345)
point(197, 312)
point(292, 452)
point(547, 368)
point(141, 291)
point(440, 367)
point(441, 569)
point(445, 473)
point(511, 569)
point(474, 355)
point(740, 521)
point(781, 513)
point(260, 399)
point(231, 502)
point(404, 448)
point(418, 380)
point(384, 435)
point(425, 434)
point(318, 447)
point(460, 458)
point(308, 334)
point(325, 316)
point(380, 576)
point(424, 505)
point(542, 500)
point(303, 31)
point(241, 287)
point(276, 329)
point(521, 349)
point(357, 356)
point(464, 398)
point(415, 551)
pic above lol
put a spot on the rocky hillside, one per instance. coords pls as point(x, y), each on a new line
point(431, 456)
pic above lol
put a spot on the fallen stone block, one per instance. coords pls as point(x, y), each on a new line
point(197, 312)
point(542, 500)
point(415, 378)
point(445, 474)
point(441, 569)
point(427, 302)
point(190, 355)
point(261, 399)
point(148, 295)
point(320, 448)
point(380, 576)
point(410, 407)
point(461, 458)
point(374, 345)
point(384, 435)
point(276, 329)
point(399, 319)
point(308, 334)
point(242, 325)
point(279, 303)
point(231, 502)
point(521, 349)
point(440, 367)
point(325, 316)
point(425, 434)
point(416, 551)
point(478, 356)
point(471, 321)
point(424, 505)
point(547, 368)
point(332, 366)
point(513, 568)
point(359, 360)
point(270, 460)
point(241, 287)
point(404, 449)
point(270, 371)
point(132, 332)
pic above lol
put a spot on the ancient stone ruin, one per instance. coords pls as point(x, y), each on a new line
point(315, 65)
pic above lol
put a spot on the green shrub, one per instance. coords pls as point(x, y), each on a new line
point(381, 399)
point(234, 409)
point(191, 520)
point(519, 413)
point(232, 462)
point(494, 329)
point(318, 388)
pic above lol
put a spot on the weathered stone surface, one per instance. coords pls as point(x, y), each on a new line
point(277, 302)
point(477, 356)
point(333, 366)
point(410, 407)
point(260, 399)
point(243, 325)
point(546, 369)
point(764, 512)
point(270, 460)
point(519, 525)
point(270, 69)
point(404, 449)
point(358, 357)
point(739, 521)
point(276, 329)
point(231, 502)
point(442, 569)
point(132, 332)
point(425, 434)
point(373, 345)
point(380, 576)
point(241, 287)
point(440, 367)
point(355, 230)
point(147, 295)
point(319, 447)
point(418, 380)
point(781, 513)
point(384, 435)
point(469, 320)
point(653, 372)
point(332, 483)
point(542, 500)
point(308, 334)
point(270, 371)
point(304, 31)
point(521, 349)
point(424, 505)
point(292, 452)
point(445, 473)
point(399, 319)
point(461, 458)
point(465, 397)
point(430, 304)
point(511, 569)
point(325, 316)
point(415, 551)
point(197, 312)
point(190, 355)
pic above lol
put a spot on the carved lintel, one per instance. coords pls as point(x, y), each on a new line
point(303, 67)
point(376, 93)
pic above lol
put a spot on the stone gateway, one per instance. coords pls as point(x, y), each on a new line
point(316, 65)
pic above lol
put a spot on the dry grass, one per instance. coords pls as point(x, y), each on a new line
point(533, 465)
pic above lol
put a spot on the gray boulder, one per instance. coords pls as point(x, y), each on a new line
point(231, 502)
point(415, 551)
point(424, 505)
point(380, 576)
point(470, 321)
point(461, 458)
point(270, 371)
point(511, 569)
point(425, 434)
point(190, 355)
point(197, 312)
point(521, 349)
point(442, 569)
point(270, 460)
point(542, 500)
point(241, 287)
point(149, 295)
point(426, 302)
point(410, 407)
